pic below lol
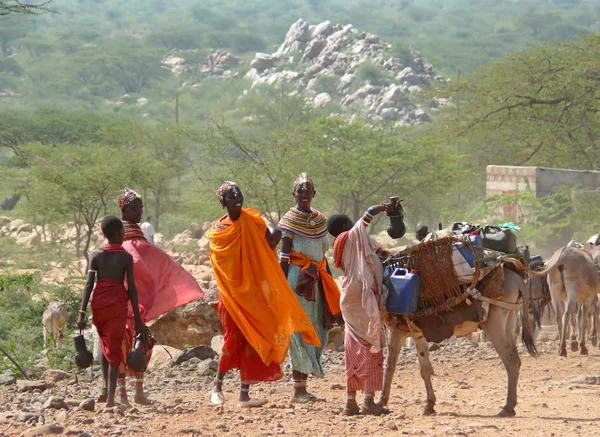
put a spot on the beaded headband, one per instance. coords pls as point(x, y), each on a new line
point(223, 189)
point(127, 197)
point(304, 181)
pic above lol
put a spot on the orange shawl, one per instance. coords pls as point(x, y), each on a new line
point(254, 289)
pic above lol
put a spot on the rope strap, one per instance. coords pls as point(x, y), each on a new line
point(475, 294)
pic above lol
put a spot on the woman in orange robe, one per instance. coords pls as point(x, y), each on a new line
point(258, 310)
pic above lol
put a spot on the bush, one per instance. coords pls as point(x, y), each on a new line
point(23, 299)
point(327, 84)
point(401, 51)
point(369, 72)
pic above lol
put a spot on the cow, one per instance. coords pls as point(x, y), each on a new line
point(54, 322)
point(572, 277)
point(499, 326)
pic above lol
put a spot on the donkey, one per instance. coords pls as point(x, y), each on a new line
point(572, 277)
point(499, 326)
point(54, 321)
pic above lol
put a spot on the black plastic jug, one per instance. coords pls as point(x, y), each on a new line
point(495, 238)
point(396, 229)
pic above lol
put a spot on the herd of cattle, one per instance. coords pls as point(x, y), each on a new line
point(569, 280)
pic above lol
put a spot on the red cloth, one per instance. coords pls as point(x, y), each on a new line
point(109, 315)
point(126, 346)
point(237, 353)
point(162, 284)
point(364, 369)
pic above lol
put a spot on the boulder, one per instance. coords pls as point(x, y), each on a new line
point(24, 385)
point(162, 356)
point(4, 221)
point(335, 338)
point(202, 353)
point(217, 343)
point(7, 379)
point(55, 375)
point(408, 75)
point(262, 62)
point(195, 323)
point(321, 100)
point(49, 429)
point(322, 30)
point(90, 404)
point(298, 35)
point(55, 403)
point(313, 49)
point(208, 367)
point(196, 230)
point(14, 225)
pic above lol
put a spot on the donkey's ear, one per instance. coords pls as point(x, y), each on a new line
point(440, 227)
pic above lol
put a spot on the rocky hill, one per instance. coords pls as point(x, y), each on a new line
point(336, 67)
point(335, 63)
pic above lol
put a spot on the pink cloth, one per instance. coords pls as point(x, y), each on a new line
point(162, 284)
point(361, 287)
point(364, 369)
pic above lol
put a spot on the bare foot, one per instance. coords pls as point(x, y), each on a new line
point(351, 409)
point(124, 401)
point(371, 408)
point(103, 397)
point(304, 398)
point(141, 399)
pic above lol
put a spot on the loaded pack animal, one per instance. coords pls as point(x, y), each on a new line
point(572, 277)
point(54, 322)
point(490, 304)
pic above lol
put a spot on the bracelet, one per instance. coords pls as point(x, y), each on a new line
point(83, 312)
point(284, 257)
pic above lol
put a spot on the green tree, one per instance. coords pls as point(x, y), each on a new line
point(8, 7)
point(538, 107)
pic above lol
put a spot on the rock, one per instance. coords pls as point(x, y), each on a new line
point(26, 417)
point(7, 379)
point(199, 352)
point(90, 404)
point(208, 367)
point(313, 49)
point(25, 228)
point(62, 416)
point(162, 357)
point(197, 230)
point(390, 114)
point(335, 338)
point(221, 426)
point(583, 379)
point(14, 225)
point(323, 30)
point(25, 385)
point(217, 343)
point(84, 434)
point(43, 430)
point(321, 100)
point(298, 35)
point(55, 403)
point(422, 116)
point(408, 75)
point(55, 375)
point(262, 62)
point(434, 347)
point(337, 387)
point(194, 323)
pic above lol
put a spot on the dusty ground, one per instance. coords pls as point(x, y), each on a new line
point(470, 385)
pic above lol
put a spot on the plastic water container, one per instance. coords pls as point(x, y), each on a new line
point(467, 253)
point(404, 290)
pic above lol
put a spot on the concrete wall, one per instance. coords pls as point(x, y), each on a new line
point(501, 179)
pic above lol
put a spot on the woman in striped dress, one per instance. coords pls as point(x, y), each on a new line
point(302, 259)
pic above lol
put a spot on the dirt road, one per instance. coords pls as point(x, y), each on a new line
point(557, 397)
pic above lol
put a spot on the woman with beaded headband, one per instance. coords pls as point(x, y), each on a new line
point(162, 285)
point(303, 261)
point(258, 310)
